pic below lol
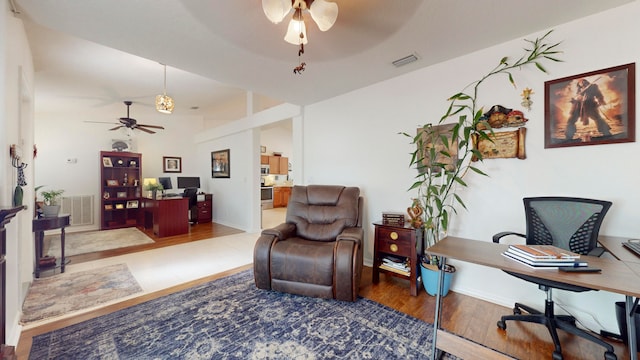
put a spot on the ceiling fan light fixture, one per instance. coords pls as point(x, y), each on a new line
point(164, 102)
point(297, 30)
point(324, 13)
point(276, 10)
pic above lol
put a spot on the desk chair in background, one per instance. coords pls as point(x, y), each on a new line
point(569, 223)
point(192, 195)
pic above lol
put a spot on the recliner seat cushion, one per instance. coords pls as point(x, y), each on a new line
point(303, 261)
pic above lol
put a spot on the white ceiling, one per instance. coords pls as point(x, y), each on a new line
point(92, 55)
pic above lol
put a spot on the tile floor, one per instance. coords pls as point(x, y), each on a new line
point(162, 268)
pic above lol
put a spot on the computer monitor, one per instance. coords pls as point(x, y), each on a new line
point(165, 182)
point(186, 182)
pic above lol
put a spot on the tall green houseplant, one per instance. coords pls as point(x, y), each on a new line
point(444, 154)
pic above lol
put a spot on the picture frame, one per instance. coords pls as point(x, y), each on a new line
point(108, 207)
point(172, 164)
point(592, 108)
point(438, 131)
point(132, 204)
point(121, 194)
point(119, 206)
point(263, 149)
point(221, 164)
point(106, 162)
point(112, 182)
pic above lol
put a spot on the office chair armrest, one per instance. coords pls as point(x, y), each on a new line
point(282, 231)
point(596, 251)
point(500, 235)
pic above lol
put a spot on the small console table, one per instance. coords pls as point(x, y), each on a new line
point(40, 225)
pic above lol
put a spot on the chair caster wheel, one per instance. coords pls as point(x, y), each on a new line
point(556, 355)
point(502, 325)
point(608, 355)
point(517, 311)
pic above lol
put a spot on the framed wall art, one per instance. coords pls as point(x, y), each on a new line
point(220, 164)
point(592, 108)
point(172, 164)
point(431, 139)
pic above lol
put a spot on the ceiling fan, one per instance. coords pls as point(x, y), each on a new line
point(131, 123)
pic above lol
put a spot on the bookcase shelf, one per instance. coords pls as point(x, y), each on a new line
point(121, 189)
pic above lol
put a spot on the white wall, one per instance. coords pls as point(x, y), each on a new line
point(16, 127)
point(365, 150)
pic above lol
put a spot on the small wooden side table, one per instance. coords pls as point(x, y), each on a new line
point(40, 225)
point(400, 242)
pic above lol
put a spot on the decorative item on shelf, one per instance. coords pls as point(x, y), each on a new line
point(444, 152)
point(106, 162)
point(133, 163)
point(125, 181)
point(121, 194)
point(106, 195)
point(112, 182)
point(393, 218)
point(164, 102)
point(120, 162)
point(119, 206)
point(51, 206)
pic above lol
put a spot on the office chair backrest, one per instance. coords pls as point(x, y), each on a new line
point(192, 195)
point(569, 223)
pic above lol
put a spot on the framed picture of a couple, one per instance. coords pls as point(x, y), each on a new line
point(592, 108)
point(220, 164)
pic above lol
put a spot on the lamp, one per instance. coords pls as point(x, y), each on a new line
point(323, 12)
point(164, 102)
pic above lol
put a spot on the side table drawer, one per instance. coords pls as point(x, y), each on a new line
point(398, 247)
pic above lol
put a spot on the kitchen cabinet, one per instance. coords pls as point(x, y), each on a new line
point(264, 159)
point(278, 165)
point(281, 196)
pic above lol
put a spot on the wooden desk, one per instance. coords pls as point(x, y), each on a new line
point(40, 225)
point(167, 216)
point(616, 276)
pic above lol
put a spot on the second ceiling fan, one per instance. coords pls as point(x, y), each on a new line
point(131, 123)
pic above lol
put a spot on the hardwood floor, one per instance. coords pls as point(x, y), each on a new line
point(463, 315)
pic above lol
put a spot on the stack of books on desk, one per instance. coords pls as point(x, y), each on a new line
point(393, 218)
point(543, 256)
point(396, 265)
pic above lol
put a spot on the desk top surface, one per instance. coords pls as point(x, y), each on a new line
point(617, 276)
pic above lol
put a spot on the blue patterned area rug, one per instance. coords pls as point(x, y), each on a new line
point(230, 318)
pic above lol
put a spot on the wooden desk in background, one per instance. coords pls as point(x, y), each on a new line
point(616, 276)
point(167, 216)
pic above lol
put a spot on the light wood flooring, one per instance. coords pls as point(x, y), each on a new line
point(467, 316)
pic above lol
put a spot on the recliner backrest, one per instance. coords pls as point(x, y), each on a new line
point(322, 212)
point(569, 223)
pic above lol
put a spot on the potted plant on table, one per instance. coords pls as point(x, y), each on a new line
point(154, 187)
point(51, 204)
point(444, 154)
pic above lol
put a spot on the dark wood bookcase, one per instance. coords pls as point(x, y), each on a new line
point(121, 189)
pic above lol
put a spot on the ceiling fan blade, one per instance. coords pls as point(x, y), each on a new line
point(152, 126)
point(116, 128)
point(100, 122)
point(145, 130)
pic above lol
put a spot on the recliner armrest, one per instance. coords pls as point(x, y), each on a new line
point(498, 236)
point(282, 231)
point(352, 234)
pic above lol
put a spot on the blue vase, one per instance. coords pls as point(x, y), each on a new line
point(430, 281)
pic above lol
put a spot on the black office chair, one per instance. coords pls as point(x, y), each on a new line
point(569, 223)
point(192, 195)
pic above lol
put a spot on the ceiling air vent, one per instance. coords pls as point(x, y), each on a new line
point(405, 60)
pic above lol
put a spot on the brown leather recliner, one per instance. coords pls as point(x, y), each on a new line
point(318, 250)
